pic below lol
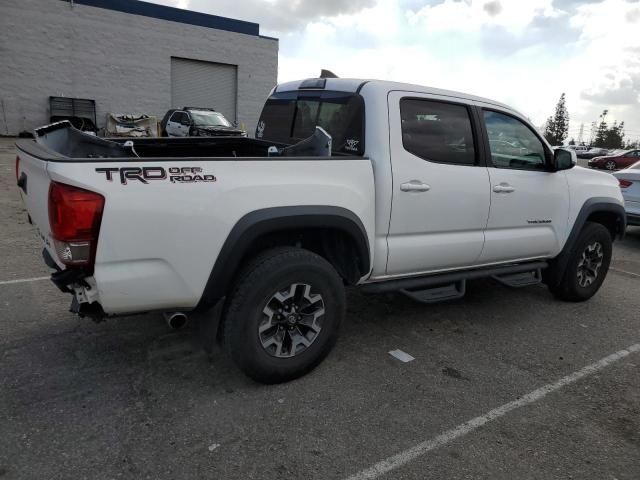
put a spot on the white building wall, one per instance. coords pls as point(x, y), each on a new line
point(121, 60)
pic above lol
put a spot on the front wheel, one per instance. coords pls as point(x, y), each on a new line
point(587, 266)
point(284, 314)
point(610, 165)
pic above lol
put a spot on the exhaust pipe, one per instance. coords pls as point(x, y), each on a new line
point(176, 320)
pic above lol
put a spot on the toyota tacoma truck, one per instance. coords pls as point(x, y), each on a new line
point(384, 186)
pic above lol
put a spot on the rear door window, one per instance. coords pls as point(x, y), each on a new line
point(437, 131)
point(289, 117)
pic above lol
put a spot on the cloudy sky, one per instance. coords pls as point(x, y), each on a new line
point(521, 52)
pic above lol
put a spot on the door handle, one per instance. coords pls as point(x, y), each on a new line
point(414, 186)
point(503, 188)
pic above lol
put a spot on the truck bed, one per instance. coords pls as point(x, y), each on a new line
point(169, 209)
point(62, 142)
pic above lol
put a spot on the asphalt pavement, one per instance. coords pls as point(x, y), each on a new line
point(505, 384)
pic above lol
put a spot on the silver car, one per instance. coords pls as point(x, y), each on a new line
point(629, 179)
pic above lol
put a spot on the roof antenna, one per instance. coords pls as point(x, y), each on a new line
point(327, 74)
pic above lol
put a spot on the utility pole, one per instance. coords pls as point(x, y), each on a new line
point(581, 134)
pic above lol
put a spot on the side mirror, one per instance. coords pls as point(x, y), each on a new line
point(564, 159)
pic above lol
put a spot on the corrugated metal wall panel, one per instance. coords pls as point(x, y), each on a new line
point(204, 84)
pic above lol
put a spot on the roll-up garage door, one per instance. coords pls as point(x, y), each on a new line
point(204, 84)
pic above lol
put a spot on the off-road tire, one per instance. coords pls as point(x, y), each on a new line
point(569, 288)
point(263, 277)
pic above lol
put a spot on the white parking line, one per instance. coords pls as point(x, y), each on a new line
point(23, 280)
point(624, 271)
point(412, 453)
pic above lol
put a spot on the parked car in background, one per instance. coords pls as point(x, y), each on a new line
point(616, 161)
point(198, 122)
point(592, 153)
point(629, 180)
point(578, 148)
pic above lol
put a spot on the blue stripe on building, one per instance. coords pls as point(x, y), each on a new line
point(172, 14)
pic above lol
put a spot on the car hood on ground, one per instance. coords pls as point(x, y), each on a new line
point(220, 130)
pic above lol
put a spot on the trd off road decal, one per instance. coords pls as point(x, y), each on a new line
point(147, 174)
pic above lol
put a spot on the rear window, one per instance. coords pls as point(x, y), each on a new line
point(289, 117)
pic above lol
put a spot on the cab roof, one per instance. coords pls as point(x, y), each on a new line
point(356, 85)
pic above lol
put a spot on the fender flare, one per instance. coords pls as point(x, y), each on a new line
point(592, 205)
point(271, 220)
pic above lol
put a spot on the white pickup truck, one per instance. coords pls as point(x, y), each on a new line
point(416, 190)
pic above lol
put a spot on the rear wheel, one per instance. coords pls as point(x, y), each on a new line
point(587, 266)
point(283, 315)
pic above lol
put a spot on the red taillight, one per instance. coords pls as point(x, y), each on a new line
point(624, 183)
point(17, 168)
point(74, 217)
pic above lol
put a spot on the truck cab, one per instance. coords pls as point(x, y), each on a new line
point(471, 181)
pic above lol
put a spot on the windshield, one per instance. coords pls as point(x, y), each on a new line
point(209, 119)
point(289, 117)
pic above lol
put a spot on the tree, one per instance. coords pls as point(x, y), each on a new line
point(601, 130)
point(614, 137)
point(609, 137)
point(557, 127)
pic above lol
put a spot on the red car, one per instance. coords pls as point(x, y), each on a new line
point(616, 161)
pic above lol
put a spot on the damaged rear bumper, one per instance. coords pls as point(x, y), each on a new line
point(75, 282)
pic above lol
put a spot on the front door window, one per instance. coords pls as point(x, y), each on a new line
point(512, 143)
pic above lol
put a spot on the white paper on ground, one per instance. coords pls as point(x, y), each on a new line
point(402, 356)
